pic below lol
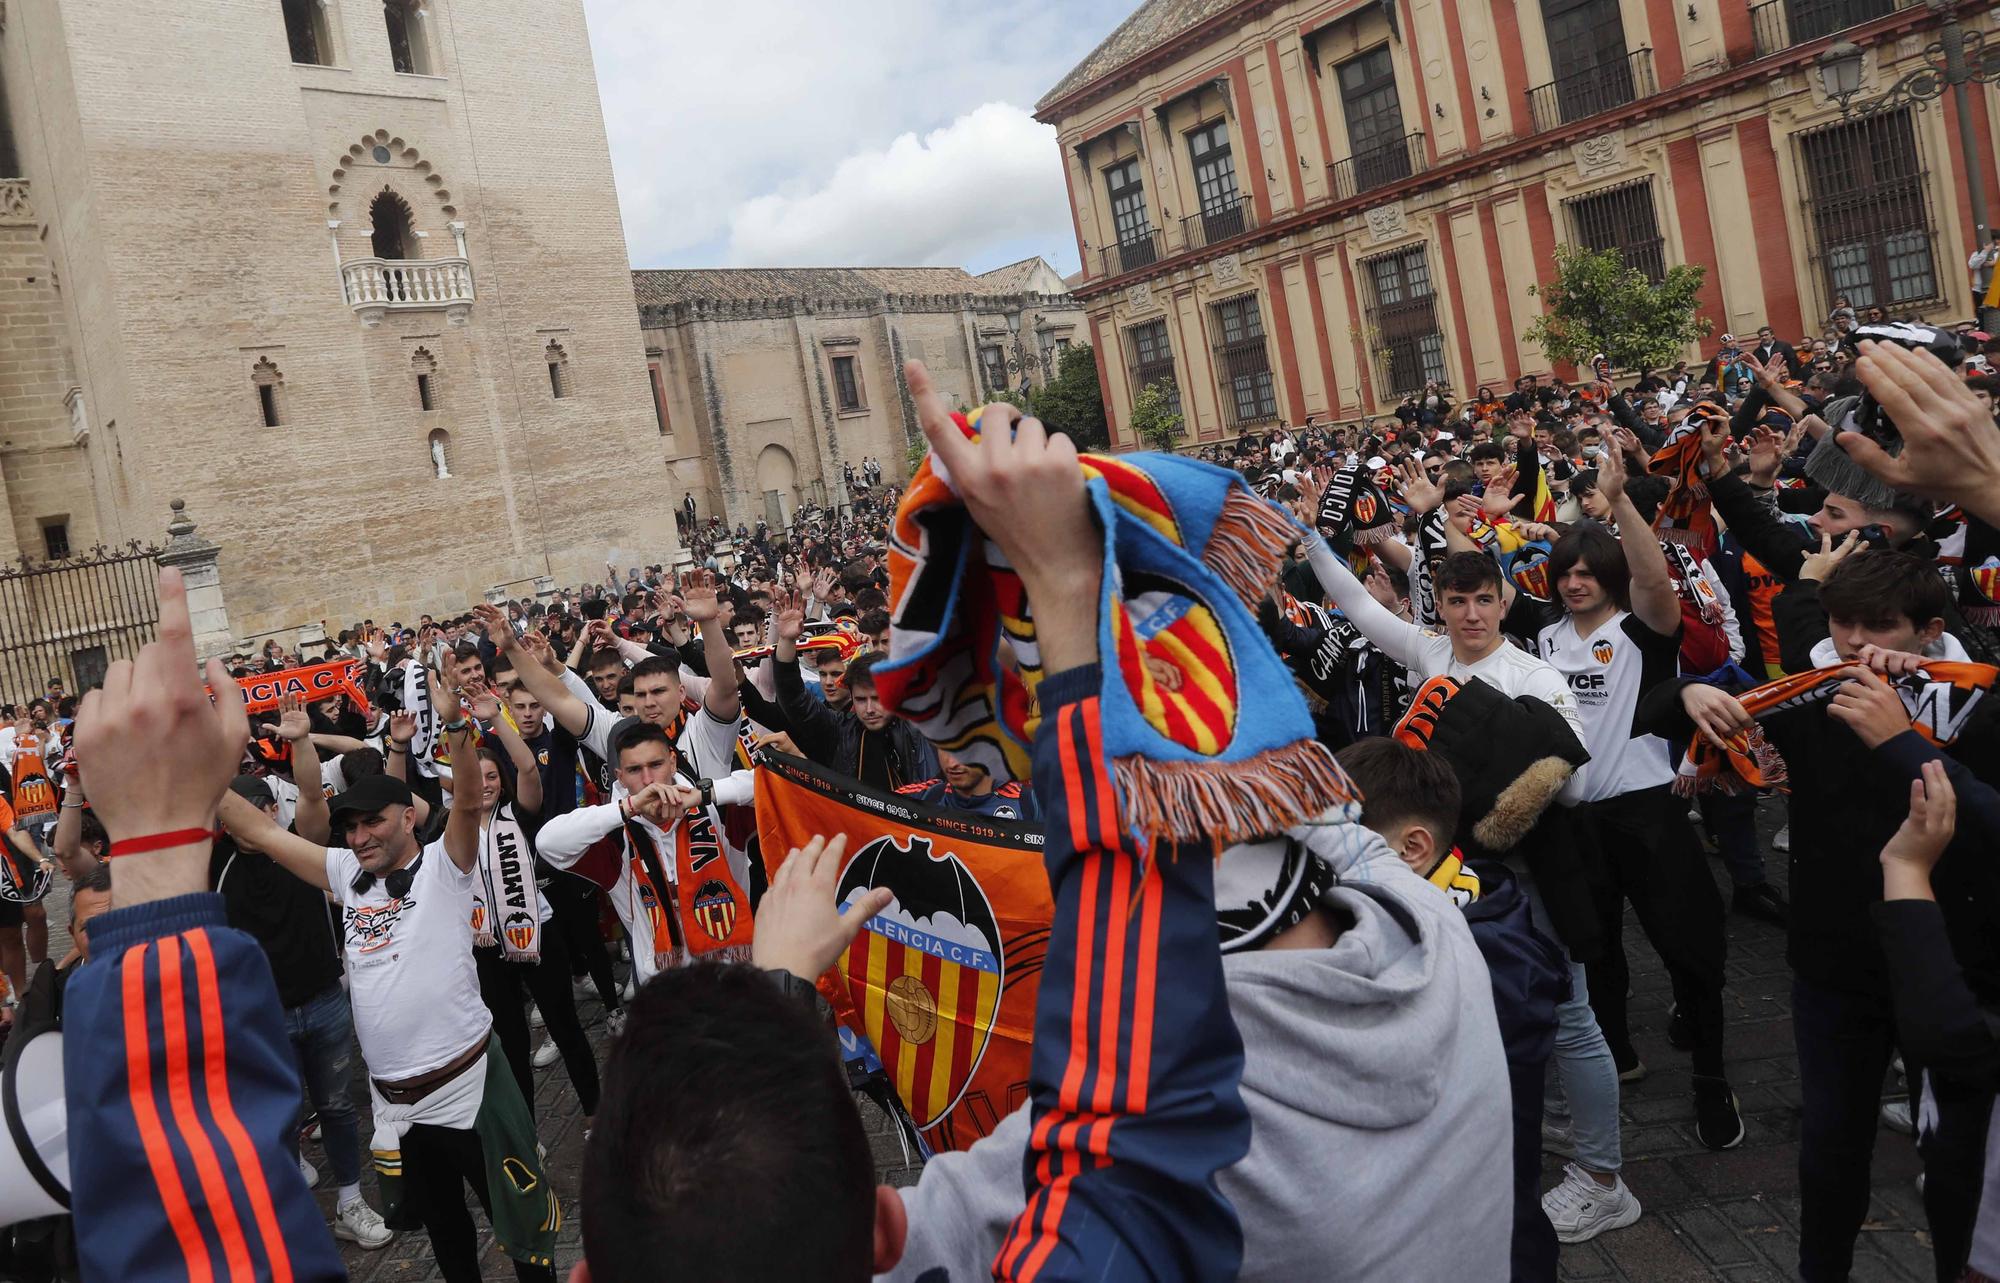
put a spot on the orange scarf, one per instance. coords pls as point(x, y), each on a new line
point(1940, 697)
point(704, 909)
point(1684, 516)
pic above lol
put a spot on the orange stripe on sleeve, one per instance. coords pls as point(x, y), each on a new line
point(215, 1061)
point(180, 1098)
point(146, 1116)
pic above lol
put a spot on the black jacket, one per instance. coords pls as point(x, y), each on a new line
point(887, 759)
point(1846, 802)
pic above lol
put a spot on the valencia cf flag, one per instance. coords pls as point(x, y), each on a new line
point(942, 981)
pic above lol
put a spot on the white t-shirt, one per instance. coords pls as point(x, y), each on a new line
point(1607, 672)
point(410, 972)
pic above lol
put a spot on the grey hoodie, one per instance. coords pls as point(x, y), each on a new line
point(1381, 1126)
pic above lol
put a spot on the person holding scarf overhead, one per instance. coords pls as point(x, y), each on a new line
point(511, 945)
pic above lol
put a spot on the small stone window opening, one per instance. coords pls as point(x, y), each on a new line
point(441, 454)
point(270, 385)
point(558, 360)
point(55, 537)
point(425, 367)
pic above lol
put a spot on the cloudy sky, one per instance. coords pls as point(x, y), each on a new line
point(876, 132)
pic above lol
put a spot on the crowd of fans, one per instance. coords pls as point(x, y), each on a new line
point(1558, 643)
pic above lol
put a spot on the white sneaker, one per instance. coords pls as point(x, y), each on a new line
point(614, 1022)
point(308, 1171)
point(547, 1054)
point(359, 1223)
point(534, 1017)
point(1783, 840)
point(1558, 1138)
point(1581, 1209)
point(1896, 1117)
point(582, 989)
point(629, 990)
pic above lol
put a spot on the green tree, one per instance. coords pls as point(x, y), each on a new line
point(1071, 401)
point(1597, 304)
point(1154, 419)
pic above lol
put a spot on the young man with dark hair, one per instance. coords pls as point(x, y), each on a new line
point(1850, 760)
point(1620, 636)
point(968, 786)
point(865, 740)
point(1412, 800)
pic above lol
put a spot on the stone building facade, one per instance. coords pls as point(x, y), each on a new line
point(766, 381)
point(347, 276)
point(1290, 208)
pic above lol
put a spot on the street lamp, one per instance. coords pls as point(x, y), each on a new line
point(1958, 57)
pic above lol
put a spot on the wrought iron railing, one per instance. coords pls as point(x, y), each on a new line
point(1364, 171)
point(1777, 25)
point(1142, 250)
point(70, 618)
point(1590, 90)
point(1218, 224)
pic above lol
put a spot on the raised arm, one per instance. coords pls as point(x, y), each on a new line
point(1136, 1194)
point(1654, 601)
point(704, 607)
point(310, 817)
point(1396, 638)
point(527, 771)
point(76, 862)
point(566, 708)
point(301, 857)
point(468, 808)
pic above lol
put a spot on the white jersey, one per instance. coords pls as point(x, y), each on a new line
point(1607, 672)
point(410, 971)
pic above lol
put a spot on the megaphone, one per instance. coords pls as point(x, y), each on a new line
point(34, 1150)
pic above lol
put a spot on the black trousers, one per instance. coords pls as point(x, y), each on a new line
point(1641, 848)
point(503, 984)
point(438, 1162)
point(575, 904)
point(1535, 1245)
point(1844, 1041)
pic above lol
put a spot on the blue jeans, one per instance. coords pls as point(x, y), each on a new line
point(1586, 1076)
point(322, 1033)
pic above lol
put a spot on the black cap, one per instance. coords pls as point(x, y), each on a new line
point(368, 795)
point(253, 789)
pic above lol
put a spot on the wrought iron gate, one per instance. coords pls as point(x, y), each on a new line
point(70, 618)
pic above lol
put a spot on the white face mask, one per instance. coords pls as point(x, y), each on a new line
point(1592, 451)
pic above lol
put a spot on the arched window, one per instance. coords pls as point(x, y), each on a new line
point(270, 384)
point(558, 359)
point(394, 235)
point(424, 366)
point(441, 454)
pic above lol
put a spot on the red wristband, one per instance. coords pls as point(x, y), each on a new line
point(160, 841)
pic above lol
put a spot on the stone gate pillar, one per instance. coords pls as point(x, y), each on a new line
point(197, 560)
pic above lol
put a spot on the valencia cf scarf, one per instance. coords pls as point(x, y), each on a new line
point(1452, 877)
point(34, 792)
point(507, 905)
point(1940, 697)
point(1188, 552)
point(1684, 516)
point(702, 909)
point(1354, 506)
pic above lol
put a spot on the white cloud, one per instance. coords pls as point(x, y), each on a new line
point(711, 107)
point(991, 176)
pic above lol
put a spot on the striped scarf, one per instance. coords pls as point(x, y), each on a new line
point(1940, 697)
point(1684, 516)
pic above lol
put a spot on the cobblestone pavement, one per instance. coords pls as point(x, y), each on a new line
point(1730, 1216)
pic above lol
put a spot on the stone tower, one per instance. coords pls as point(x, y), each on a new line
point(347, 275)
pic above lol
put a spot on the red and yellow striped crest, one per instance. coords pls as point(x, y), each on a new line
point(1176, 663)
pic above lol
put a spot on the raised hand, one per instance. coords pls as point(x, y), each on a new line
point(1913, 850)
point(1767, 451)
point(494, 621)
point(1718, 715)
point(1419, 490)
point(1951, 449)
point(823, 583)
point(789, 616)
point(402, 728)
point(800, 928)
point(1611, 475)
point(293, 724)
point(698, 597)
point(484, 703)
point(537, 645)
point(160, 752)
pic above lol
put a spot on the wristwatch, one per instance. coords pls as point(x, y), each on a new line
point(707, 788)
point(804, 991)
